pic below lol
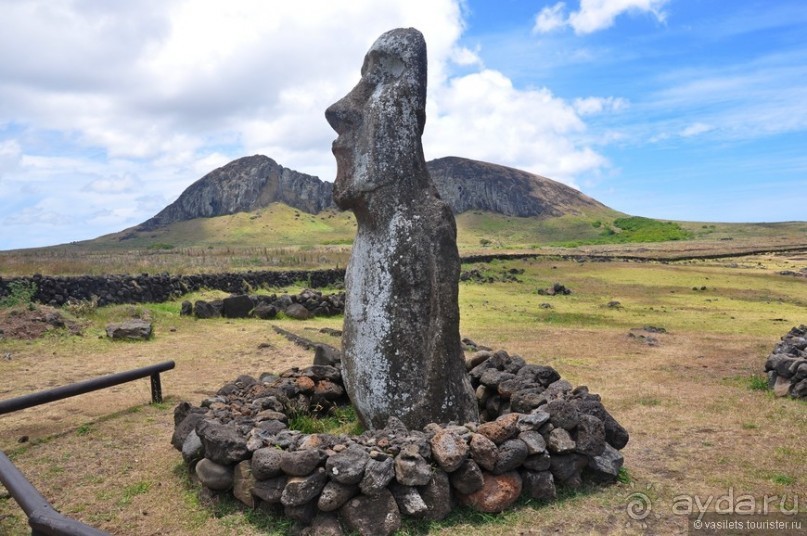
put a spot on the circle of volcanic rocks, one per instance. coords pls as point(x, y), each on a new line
point(536, 433)
point(307, 304)
point(787, 364)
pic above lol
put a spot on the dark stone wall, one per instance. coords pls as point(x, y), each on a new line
point(116, 289)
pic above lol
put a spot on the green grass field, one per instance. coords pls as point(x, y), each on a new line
point(700, 424)
point(279, 237)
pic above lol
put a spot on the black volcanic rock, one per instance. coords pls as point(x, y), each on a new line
point(254, 182)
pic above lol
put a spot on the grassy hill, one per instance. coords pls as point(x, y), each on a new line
point(279, 236)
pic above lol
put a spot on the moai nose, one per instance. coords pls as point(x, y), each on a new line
point(342, 116)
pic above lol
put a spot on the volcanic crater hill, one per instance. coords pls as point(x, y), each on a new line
point(254, 182)
point(244, 185)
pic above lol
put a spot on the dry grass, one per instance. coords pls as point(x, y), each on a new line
point(696, 426)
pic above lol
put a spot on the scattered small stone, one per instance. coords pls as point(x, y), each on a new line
point(131, 330)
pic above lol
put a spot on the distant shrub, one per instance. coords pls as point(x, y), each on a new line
point(19, 293)
point(634, 229)
point(160, 246)
point(641, 229)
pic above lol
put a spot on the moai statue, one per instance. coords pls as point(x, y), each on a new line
point(401, 341)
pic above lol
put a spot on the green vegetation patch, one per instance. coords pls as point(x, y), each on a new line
point(19, 293)
point(634, 229)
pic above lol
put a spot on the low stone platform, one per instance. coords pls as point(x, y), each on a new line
point(537, 433)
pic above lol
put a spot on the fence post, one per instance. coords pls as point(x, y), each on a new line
point(156, 388)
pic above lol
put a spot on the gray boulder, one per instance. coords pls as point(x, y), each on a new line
point(214, 475)
point(347, 467)
point(236, 306)
point(223, 444)
point(203, 309)
point(130, 330)
point(297, 312)
point(301, 489)
point(372, 515)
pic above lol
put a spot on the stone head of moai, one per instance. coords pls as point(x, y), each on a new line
point(380, 122)
point(401, 342)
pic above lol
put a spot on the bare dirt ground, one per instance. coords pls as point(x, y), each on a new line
point(699, 432)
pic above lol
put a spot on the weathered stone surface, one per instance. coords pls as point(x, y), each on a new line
point(302, 489)
point(409, 501)
point(266, 463)
point(323, 525)
point(131, 330)
point(566, 468)
point(606, 466)
point(799, 390)
point(539, 485)
point(270, 490)
point(192, 448)
point(535, 442)
point(236, 306)
point(303, 513)
point(264, 311)
point(437, 496)
point(512, 454)
point(449, 450)
point(501, 429)
point(589, 437)
point(782, 386)
point(615, 434)
point(300, 462)
point(213, 475)
point(404, 252)
point(325, 354)
point(188, 419)
point(468, 478)
point(372, 515)
point(223, 444)
point(297, 311)
point(243, 483)
point(560, 441)
point(377, 475)
point(537, 462)
point(484, 451)
point(562, 414)
point(347, 467)
point(334, 495)
point(412, 469)
point(498, 493)
point(186, 309)
point(203, 309)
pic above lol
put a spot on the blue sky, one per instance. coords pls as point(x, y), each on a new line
point(680, 109)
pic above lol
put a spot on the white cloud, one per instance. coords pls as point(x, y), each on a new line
point(39, 217)
point(695, 128)
point(181, 87)
point(550, 18)
point(482, 116)
point(112, 185)
point(594, 15)
point(596, 105)
point(10, 156)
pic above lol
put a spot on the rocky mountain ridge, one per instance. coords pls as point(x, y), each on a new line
point(253, 182)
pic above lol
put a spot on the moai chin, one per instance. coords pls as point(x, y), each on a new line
point(401, 341)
